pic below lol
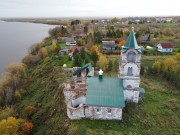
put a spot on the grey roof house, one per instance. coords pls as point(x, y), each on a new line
point(70, 41)
point(109, 45)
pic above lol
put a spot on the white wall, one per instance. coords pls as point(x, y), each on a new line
point(76, 113)
point(116, 113)
point(133, 83)
point(135, 71)
point(131, 95)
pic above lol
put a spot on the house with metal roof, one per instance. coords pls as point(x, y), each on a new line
point(70, 41)
point(109, 45)
point(99, 97)
point(165, 47)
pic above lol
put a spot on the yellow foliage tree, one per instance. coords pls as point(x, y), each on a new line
point(102, 62)
point(54, 47)
point(169, 64)
point(121, 43)
point(94, 48)
point(43, 52)
point(177, 56)
point(157, 66)
point(9, 126)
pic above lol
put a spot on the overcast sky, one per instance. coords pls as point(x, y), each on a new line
point(88, 8)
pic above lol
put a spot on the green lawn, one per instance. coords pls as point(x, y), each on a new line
point(170, 25)
point(61, 44)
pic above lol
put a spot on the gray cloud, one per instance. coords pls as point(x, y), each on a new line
point(63, 8)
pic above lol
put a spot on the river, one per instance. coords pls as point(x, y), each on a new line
point(16, 38)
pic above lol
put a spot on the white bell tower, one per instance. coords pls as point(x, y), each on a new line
point(130, 68)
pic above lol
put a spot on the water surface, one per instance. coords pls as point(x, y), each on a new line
point(16, 38)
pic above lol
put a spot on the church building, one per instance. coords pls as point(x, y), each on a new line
point(98, 97)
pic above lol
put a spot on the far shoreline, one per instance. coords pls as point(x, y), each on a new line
point(38, 21)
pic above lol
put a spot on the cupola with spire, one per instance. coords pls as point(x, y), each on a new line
point(131, 42)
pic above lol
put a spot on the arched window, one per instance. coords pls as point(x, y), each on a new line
point(130, 73)
point(129, 86)
point(131, 57)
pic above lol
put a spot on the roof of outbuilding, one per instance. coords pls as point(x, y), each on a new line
point(166, 45)
point(110, 43)
point(107, 92)
point(69, 39)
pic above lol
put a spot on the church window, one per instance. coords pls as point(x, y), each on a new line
point(129, 73)
point(109, 110)
point(129, 86)
point(131, 57)
point(98, 110)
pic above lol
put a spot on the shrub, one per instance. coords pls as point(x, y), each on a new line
point(7, 112)
point(27, 127)
point(29, 111)
point(33, 50)
point(31, 59)
point(43, 52)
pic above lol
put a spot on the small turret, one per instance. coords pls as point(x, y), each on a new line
point(100, 74)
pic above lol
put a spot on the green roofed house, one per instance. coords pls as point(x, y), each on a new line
point(98, 97)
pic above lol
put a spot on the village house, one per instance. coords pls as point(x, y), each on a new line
point(99, 97)
point(70, 41)
point(165, 47)
point(73, 49)
point(109, 45)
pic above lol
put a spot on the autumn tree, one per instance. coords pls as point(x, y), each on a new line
point(9, 126)
point(94, 57)
point(80, 42)
point(121, 43)
point(168, 32)
point(27, 127)
point(85, 28)
point(55, 32)
point(97, 37)
point(94, 48)
point(102, 62)
point(89, 43)
point(11, 81)
point(54, 47)
point(177, 56)
point(157, 66)
point(33, 49)
point(43, 52)
point(169, 64)
point(29, 111)
point(31, 59)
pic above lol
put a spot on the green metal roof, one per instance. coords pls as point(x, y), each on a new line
point(141, 90)
point(131, 43)
point(87, 66)
point(107, 92)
